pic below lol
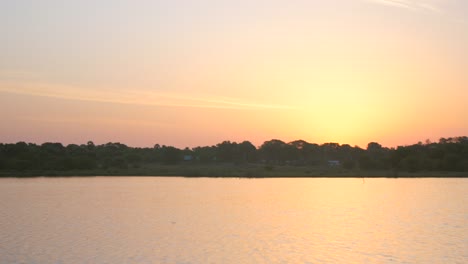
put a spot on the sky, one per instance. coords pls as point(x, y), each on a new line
point(192, 73)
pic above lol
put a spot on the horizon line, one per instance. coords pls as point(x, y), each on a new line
point(425, 142)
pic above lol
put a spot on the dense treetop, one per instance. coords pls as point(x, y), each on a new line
point(448, 154)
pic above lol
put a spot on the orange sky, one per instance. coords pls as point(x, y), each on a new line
point(190, 73)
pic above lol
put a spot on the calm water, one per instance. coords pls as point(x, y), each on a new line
point(180, 220)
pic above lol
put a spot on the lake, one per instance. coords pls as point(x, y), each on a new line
point(229, 220)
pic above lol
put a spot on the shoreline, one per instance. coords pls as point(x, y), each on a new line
point(232, 171)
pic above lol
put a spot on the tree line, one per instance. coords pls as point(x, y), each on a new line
point(448, 154)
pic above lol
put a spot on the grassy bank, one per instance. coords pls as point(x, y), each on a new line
point(229, 170)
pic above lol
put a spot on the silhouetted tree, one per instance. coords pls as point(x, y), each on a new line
point(448, 154)
point(171, 155)
point(247, 151)
point(273, 151)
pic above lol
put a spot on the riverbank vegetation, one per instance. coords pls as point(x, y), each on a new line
point(446, 158)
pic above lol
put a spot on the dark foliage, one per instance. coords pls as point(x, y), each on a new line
point(449, 154)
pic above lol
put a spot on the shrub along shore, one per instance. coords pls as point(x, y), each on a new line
point(233, 171)
point(446, 158)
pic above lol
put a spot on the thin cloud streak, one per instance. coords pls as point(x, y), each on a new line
point(415, 5)
point(94, 120)
point(401, 4)
point(148, 98)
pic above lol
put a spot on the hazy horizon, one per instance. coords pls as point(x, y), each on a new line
point(257, 145)
point(195, 73)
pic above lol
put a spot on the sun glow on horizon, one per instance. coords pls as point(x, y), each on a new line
point(191, 73)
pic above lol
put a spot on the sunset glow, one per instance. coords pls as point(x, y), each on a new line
point(192, 73)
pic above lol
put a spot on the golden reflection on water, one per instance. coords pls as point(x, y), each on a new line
point(181, 220)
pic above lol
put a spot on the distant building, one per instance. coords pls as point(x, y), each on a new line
point(188, 158)
point(333, 163)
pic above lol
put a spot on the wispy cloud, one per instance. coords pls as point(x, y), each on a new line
point(416, 5)
point(139, 97)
